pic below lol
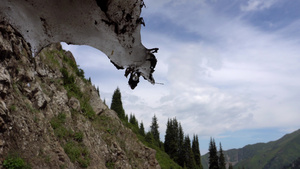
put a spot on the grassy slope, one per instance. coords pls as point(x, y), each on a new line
point(72, 71)
point(162, 157)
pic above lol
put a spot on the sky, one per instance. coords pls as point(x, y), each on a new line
point(230, 69)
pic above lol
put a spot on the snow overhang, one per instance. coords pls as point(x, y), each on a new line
point(112, 26)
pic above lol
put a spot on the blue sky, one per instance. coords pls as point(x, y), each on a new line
point(230, 68)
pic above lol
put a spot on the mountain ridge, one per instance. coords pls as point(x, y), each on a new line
point(274, 154)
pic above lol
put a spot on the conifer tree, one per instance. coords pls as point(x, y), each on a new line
point(189, 156)
point(196, 151)
point(133, 120)
point(171, 139)
point(98, 92)
point(154, 129)
point(213, 156)
point(142, 129)
point(222, 163)
point(149, 137)
point(116, 104)
point(168, 138)
point(104, 102)
point(181, 155)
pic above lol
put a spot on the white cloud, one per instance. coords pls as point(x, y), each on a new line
point(232, 76)
point(256, 5)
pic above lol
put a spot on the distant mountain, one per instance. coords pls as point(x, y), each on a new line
point(282, 153)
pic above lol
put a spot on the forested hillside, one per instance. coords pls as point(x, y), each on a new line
point(272, 155)
point(178, 150)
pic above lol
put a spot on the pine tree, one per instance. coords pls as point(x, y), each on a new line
point(133, 120)
point(149, 137)
point(104, 102)
point(188, 153)
point(116, 104)
point(222, 163)
point(142, 129)
point(196, 151)
point(213, 156)
point(98, 92)
point(171, 144)
point(181, 155)
point(154, 129)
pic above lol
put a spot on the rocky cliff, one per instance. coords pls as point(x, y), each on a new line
point(52, 117)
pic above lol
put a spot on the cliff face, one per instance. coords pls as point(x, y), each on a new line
point(52, 117)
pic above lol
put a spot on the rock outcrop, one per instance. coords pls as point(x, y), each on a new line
point(52, 117)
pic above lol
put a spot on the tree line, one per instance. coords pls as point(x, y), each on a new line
point(181, 149)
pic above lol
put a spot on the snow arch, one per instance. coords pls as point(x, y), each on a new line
point(112, 26)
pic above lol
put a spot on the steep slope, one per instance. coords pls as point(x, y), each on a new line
point(274, 154)
point(52, 117)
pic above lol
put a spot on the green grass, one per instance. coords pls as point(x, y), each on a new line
point(72, 141)
point(110, 165)
point(15, 162)
point(77, 152)
point(13, 108)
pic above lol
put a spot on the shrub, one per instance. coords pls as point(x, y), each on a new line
point(110, 165)
point(87, 109)
point(14, 162)
point(77, 152)
point(13, 108)
point(78, 136)
point(57, 121)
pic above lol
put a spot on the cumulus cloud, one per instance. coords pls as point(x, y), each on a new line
point(256, 5)
point(230, 76)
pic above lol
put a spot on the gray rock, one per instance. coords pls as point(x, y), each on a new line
point(74, 104)
point(5, 82)
point(40, 99)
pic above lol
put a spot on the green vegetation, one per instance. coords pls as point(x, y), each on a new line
point(13, 108)
point(213, 156)
point(196, 151)
point(73, 147)
point(294, 165)
point(110, 165)
point(57, 124)
point(15, 162)
point(222, 163)
point(77, 152)
point(71, 140)
point(72, 88)
point(116, 104)
point(274, 154)
point(50, 58)
point(70, 72)
point(176, 152)
point(216, 159)
point(154, 129)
